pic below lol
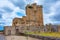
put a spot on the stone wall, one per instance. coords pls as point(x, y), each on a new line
point(9, 30)
point(58, 28)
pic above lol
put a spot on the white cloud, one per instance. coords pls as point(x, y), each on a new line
point(53, 8)
point(17, 9)
point(52, 12)
point(40, 2)
point(46, 19)
point(7, 3)
point(8, 17)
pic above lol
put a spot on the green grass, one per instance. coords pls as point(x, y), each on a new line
point(50, 34)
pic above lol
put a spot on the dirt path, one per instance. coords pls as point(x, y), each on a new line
point(19, 38)
point(2, 37)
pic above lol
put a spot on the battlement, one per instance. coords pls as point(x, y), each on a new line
point(40, 6)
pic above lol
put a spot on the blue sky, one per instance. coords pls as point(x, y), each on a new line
point(10, 9)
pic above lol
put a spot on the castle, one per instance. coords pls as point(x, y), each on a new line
point(33, 21)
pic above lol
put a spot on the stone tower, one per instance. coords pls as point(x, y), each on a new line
point(34, 14)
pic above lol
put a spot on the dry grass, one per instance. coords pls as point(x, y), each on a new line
point(50, 34)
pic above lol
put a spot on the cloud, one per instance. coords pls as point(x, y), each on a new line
point(8, 11)
point(49, 9)
point(55, 9)
point(40, 2)
point(8, 17)
point(19, 3)
point(54, 13)
point(0, 16)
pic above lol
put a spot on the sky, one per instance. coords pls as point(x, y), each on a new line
point(9, 9)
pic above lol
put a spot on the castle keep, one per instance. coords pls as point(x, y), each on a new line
point(34, 15)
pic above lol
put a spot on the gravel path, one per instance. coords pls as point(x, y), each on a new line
point(2, 37)
point(19, 38)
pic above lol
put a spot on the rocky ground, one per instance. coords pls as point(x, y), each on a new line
point(11, 37)
point(19, 38)
point(2, 37)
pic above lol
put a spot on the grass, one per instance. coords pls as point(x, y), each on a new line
point(50, 34)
